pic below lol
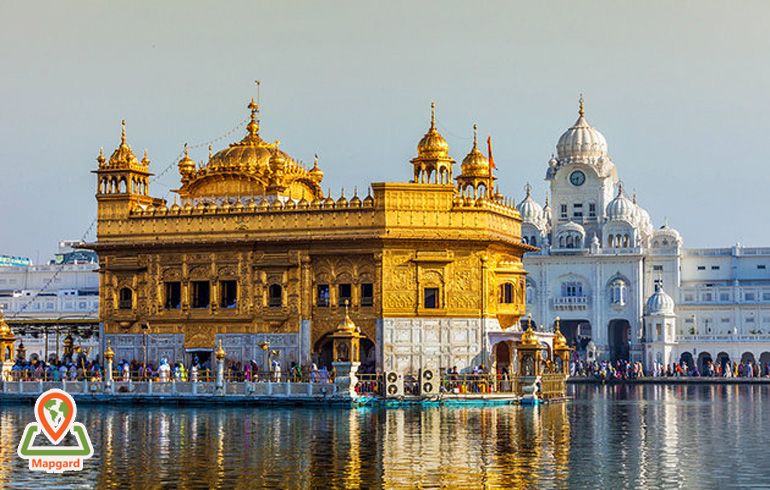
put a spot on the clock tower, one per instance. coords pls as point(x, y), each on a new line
point(582, 178)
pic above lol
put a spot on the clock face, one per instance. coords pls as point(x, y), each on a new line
point(577, 177)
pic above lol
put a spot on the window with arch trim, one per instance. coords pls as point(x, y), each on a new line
point(618, 292)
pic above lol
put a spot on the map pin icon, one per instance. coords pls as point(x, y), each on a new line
point(55, 412)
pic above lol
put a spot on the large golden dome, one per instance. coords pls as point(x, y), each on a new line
point(244, 168)
point(475, 164)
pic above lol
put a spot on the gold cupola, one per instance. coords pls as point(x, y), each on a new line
point(186, 165)
point(123, 157)
point(432, 163)
point(475, 181)
point(250, 167)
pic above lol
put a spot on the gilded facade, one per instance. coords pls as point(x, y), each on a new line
point(252, 250)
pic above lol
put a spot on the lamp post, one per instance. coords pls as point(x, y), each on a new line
point(265, 346)
point(220, 355)
point(109, 355)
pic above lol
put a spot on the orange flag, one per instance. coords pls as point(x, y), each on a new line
point(489, 150)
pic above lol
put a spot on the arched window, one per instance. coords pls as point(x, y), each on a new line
point(533, 240)
point(618, 292)
point(275, 296)
point(125, 299)
point(525, 240)
point(506, 293)
point(530, 294)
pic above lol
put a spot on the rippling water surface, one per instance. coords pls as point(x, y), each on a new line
point(607, 437)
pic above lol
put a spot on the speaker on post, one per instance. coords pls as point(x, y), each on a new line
point(428, 382)
point(394, 385)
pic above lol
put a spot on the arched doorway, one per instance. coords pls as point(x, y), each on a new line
point(577, 333)
point(722, 359)
point(686, 358)
point(367, 356)
point(503, 357)
point(324, 352)
point(704, 358)
point(619, 335)
point(764, 360)
point(747, 357)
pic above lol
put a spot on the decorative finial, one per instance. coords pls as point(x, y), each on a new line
point(528, 189)
point(145, 158)
point(355, 191)
point(529, 320)
point(475, 142)
point(633, 197)
point(342, 192)
point(211, 153)
point(432, 115)
point(253, 126)
point(546, 199)
point(315, 161)
point(581, 110)
point(101, 158)
point(620, 188)
point(186, 151)
point(123, 132)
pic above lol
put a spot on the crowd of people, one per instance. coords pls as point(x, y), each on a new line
point(626, 370)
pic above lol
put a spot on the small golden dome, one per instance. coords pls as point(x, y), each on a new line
point(355, 201)
point(146, 159)
point(123, 156)
point(529, 339)
point(475, 164)
point(251, 205)
point(109, 354)
point(175, 207)
point(220, 353)
point(342, 202)
point(100, 159)
point(316, 173)
point(432, 146)
point(329, 202)
point(186, 164)
point(238, 206)
point(303, 203)
point(369, 200)
point(5, 331)
point(263, 205)
point(346, 324)
point(559, 341)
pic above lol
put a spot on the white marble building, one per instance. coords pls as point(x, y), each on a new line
point(66, 288)
point(626, 288)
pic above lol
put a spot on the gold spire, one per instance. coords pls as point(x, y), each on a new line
point(432, 146)
point(101, 158)
point(475, 136)
point(346, 324)
point(432, 115)
point(145, 158)
point(211, 151)
point(581, 110)
point(253, 126)
point(186, 164)
point(123, 156)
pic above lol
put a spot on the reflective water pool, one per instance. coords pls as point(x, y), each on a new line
point(608, 437)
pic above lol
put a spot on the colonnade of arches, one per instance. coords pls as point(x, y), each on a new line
point(120, 185)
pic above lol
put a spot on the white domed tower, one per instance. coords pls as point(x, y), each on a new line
point(660, 326)
point(534, 221)
point(582, 176)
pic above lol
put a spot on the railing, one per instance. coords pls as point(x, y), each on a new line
point(571, 302)
point(553, 386)
point(370, 384)
point(478, 383)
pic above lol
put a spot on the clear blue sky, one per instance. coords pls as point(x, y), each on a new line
point(680, 89)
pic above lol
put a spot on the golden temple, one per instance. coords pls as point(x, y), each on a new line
point(255, 253)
